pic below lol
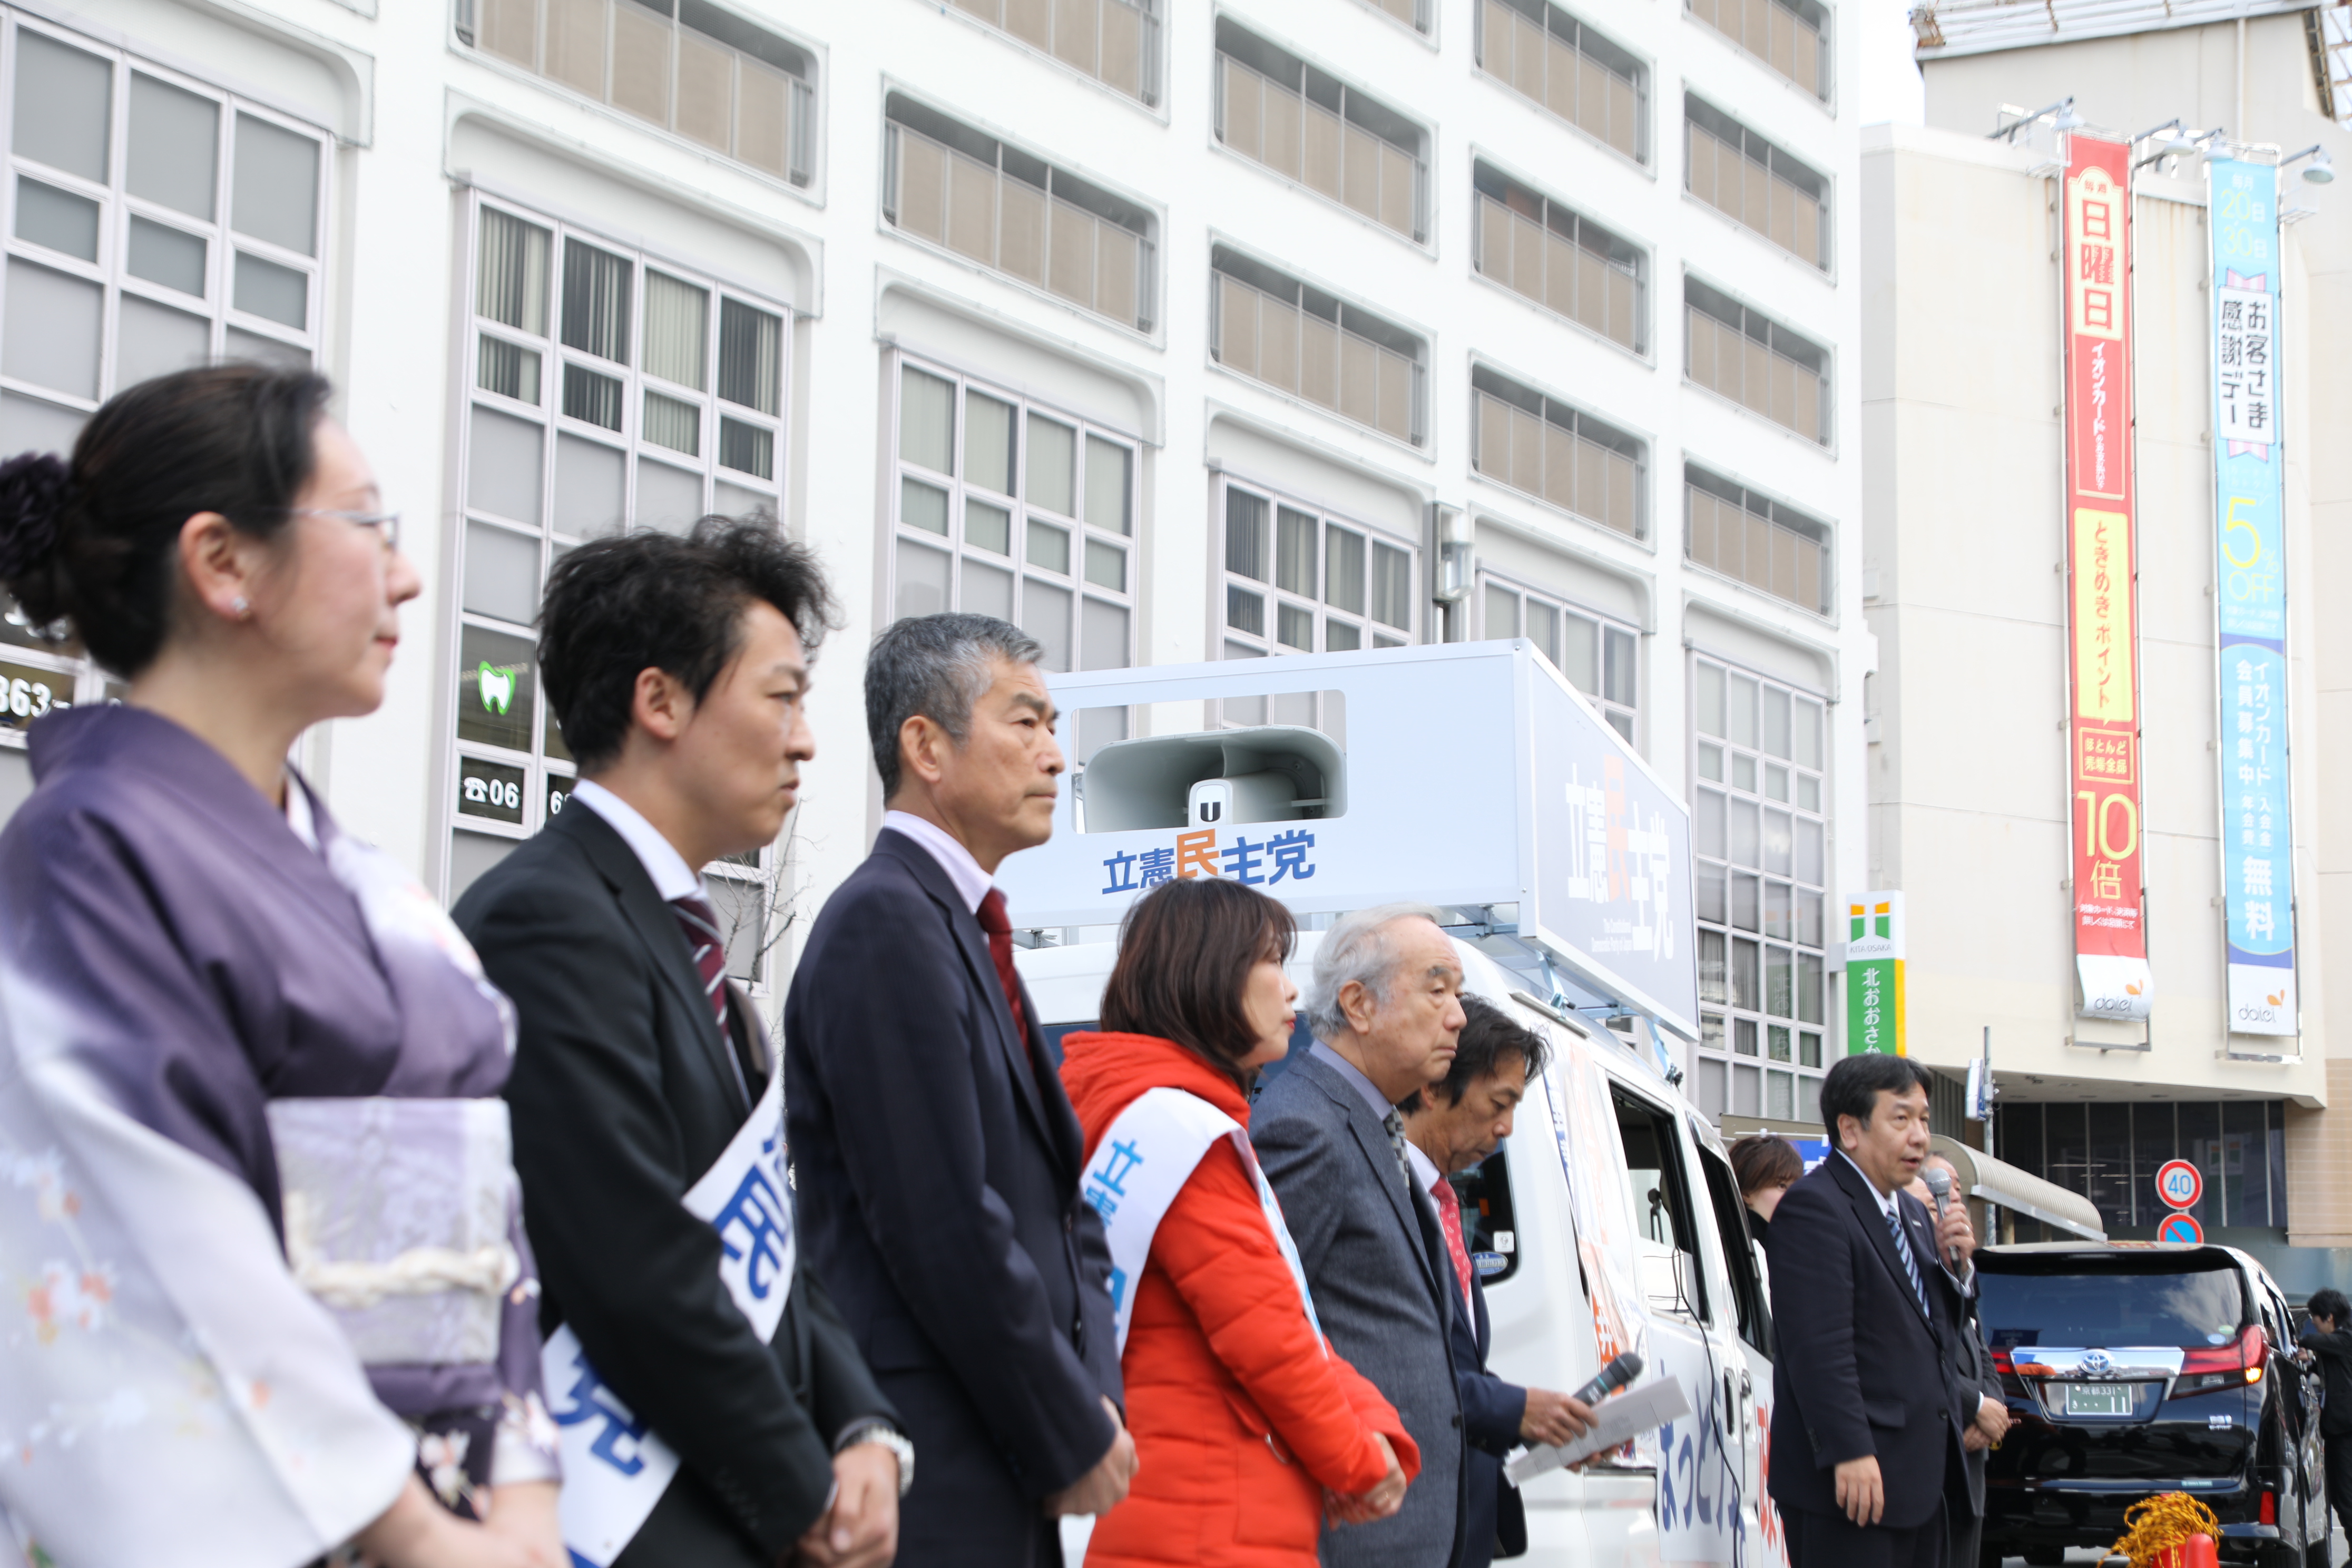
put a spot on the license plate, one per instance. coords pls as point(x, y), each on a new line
point(2099, 1398)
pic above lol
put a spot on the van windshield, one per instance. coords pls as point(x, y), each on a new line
point(2079, 1302)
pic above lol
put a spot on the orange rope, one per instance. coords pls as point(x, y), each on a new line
point(2157, 1524)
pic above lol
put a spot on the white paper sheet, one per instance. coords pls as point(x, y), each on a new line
point(1644, 1407)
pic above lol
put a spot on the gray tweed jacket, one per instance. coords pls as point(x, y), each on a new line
point(1365, 1239)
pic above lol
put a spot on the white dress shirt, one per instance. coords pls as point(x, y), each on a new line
point(970, 883)
point(673, 879)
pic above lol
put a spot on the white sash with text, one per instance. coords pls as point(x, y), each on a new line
point(615, 1467)
point(1143, 1162)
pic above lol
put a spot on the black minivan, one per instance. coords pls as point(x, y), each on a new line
point(2134, 1368)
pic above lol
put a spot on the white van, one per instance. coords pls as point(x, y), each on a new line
point(1609, 1220)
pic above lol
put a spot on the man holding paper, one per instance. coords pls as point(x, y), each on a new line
point(1449, 1127)
point(712, 1407)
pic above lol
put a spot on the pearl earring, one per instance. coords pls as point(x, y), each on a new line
point(242, 608)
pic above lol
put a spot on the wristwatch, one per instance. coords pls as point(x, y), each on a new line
point(890, 1437)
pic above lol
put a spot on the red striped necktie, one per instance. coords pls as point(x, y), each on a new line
point(699, 922)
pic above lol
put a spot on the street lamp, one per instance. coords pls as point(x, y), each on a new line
point(2061, 115)
point(2323, 168)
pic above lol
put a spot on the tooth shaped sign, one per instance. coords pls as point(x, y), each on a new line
point(498, 684)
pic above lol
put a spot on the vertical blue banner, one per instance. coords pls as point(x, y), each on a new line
point(2257, 840)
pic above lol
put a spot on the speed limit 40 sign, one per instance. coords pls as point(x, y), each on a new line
point(2179, 1185)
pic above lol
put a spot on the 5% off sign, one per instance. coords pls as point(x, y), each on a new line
point(2181, 1186)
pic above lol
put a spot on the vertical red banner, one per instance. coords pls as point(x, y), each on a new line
point(2110, 936)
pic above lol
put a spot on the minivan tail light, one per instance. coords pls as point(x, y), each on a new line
point(2268, 1514)
point(2204, 1368)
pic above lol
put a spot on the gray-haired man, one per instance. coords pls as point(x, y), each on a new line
point(1386, 1008)
point(937, 1159)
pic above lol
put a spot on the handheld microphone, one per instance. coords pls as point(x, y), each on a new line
point(1612, 1377)
point(1940, 1184)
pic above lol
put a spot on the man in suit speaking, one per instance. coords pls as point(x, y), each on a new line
point(937, 1157)
point(1867, 1296)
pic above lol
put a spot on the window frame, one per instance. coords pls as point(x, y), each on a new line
point(1149, 324)
point(1772, 164)
point(542, 768)
point(1482, 171)
point(1373, 634)
point(1775, 514)
point(1823, 97)
point(1229, 264)
point(77, 678)
point(1775, 332)
point(1150, 71)
point(1642, 533)
point(805, 96)
point(1724, 1012)
point(1421, 234)
point(1609, 633)
point(1645, 154)
point(1016, 562)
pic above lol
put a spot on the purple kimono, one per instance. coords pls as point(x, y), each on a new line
point(255, 1192)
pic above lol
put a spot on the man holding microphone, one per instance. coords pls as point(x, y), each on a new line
point(1869, 1411)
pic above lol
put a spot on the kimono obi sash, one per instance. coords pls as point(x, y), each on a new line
point(397, 1216)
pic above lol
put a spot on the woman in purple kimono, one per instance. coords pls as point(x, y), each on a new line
point(267, 1297)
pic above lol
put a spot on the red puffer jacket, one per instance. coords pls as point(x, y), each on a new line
point(1240, 1419)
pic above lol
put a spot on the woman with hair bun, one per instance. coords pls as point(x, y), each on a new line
point(270, 1301)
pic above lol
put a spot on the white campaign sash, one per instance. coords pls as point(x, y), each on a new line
point(615, 1467)
point(1143, 1163)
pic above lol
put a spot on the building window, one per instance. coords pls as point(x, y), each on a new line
point(605, 388)
point(1298, 580)
point(1017, 215)
point(1548, 56)
point(2109, 1152)
point(1292, 336)
point(1011, 510)
point(1313, 128)
point(159, 223)
point(1750, 180)
point(687, 66)
point(1757, 363)
point(1753, 539)
point(1117, 42)
point(1559, 454)
point(1597, 655)
point(1562, 259)
point(1758, 841)
point(1791, 37)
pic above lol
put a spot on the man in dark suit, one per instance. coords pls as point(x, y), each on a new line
point(1385, 1008)
point(2329, 1339)
point(938, 1158)
point(1972, 1370)
point(678, 670)
point(1868, 1410)
point(1452, 1127)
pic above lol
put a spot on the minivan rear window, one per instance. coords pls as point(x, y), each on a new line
point(2077, 1302)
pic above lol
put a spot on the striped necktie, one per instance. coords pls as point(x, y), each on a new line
point(1393, 1125)
point(699, 922)
point(1910, 1262)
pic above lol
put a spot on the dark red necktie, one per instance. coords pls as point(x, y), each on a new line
point(1449, 1219)
point(699, 922)
point(993, 920)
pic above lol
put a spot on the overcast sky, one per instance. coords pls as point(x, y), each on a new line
point(1891, 88)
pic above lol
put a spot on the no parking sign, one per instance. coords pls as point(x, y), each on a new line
point(2180, 1225)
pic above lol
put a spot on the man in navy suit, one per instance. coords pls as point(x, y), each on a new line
point(1449, 1127)
point(937, 1159)
point(1869, 1414)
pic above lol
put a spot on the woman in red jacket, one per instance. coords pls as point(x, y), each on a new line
point(1250, 1431)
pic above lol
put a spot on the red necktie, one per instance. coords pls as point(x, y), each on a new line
point(699, 922)
point(1449, 1219)
point(999, 928)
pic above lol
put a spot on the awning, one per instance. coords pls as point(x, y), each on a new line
point(1997, 1182)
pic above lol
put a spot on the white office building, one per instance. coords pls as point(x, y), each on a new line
point(1169, 332)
